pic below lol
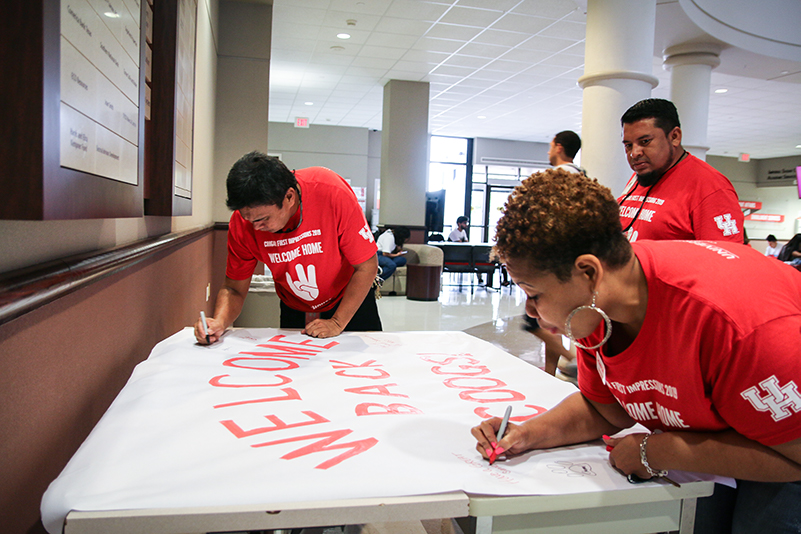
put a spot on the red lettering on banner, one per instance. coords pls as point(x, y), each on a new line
point(368, 364)
point(278, 424)
point(305, 343)
point(468, 381)
point(280, 355)
point(291, 365)
point(378, 389)
point(481, 370)
point(398, 409)
point(496, 383)
point(290, 394)
point(449, 359)
point(324, 444)
point(482, 411)
point(216, 382)
point(471, 395)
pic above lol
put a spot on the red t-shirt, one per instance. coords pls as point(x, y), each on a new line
point(720, 346)
point(691, 201)
point(312, 265)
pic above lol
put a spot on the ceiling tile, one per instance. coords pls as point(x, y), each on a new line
point(483, 50)
point(549, 44)
point(417, 10)
point(396, 25)
point(382, 52)
point(552, 9)
point(528, 93)
point(522, 24)
point(565, 30)
point(453, 31)
point(339, 19)
point(392, 40)
point(500, 37)
point(373, 7)
point(469, 16)
point(438, 45)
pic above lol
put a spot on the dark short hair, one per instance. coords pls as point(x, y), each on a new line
point(461, 219)
point(554, 217)
point(402, 234)
point(570, 141)
point(257, 179)
point(664, 113)
point(771, 237)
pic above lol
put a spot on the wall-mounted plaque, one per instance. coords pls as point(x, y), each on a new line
point(72, 108)
point(170, 108)
point(97, 109)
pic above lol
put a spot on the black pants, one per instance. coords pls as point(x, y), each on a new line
point(365, 319)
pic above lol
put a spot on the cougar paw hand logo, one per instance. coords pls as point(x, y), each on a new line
point(306, 285)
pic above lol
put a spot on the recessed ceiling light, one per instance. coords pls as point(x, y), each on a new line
point(309, 103)
point(785, 72)
point(112, 15)
point(721, 91)
point(343, 35)
point(337, 48)
point(481, 117)
point(798, 146)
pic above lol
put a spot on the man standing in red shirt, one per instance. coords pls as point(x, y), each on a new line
point(309, 230)
point(672, 194)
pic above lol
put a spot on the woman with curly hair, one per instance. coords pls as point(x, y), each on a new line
point(697, 341)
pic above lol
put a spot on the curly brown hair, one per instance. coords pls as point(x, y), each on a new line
point(554, 217)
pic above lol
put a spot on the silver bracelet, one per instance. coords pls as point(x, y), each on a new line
point(644, 459)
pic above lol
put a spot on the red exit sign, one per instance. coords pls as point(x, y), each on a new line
point(301, 122)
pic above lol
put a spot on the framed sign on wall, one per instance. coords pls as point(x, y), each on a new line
point(73, 103)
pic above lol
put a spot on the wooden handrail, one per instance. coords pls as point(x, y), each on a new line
point(24, 290)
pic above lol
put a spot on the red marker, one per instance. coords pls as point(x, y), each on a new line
point(501, 432)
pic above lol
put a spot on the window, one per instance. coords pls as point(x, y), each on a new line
point(449, 170)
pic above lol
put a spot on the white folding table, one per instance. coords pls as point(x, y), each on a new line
point(215, 440)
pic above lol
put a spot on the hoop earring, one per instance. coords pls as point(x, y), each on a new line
point(595, 308)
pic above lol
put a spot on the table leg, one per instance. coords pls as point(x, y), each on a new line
point(687, 524)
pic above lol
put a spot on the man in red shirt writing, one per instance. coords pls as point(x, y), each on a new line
point(309, 230)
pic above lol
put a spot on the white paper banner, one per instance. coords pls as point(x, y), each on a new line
point(270, 416)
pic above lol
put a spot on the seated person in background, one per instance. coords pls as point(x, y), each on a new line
point(791, 252)
point(664, 342)
point(773, 249)
point(459, 234)
point(390, 255)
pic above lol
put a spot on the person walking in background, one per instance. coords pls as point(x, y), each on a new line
point(563, 149)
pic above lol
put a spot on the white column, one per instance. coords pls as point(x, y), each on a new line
point(691, 67)
point(404, 153)
point(618, 62)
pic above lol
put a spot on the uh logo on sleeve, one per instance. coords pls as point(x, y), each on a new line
point(780, 401)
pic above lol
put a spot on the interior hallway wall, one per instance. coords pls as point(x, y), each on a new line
point(781, 200)
point(62, 364)
point(243, 90)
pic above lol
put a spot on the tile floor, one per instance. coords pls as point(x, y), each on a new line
point(458, 308)
point(494, 315)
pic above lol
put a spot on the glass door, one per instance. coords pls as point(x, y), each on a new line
point(496, 198)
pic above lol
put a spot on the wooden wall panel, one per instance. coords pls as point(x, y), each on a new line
point(62, 364)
